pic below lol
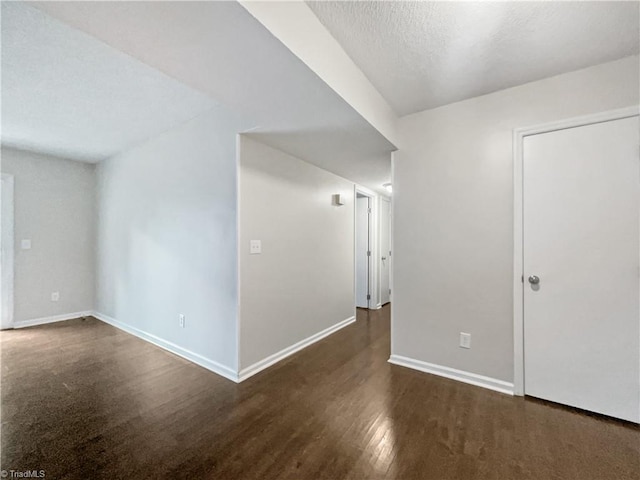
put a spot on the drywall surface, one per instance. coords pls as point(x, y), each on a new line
point(297, 27)
point(167, 237)
point(220, 49)
point(303, 281)
point(453, 214)
point(54, 207)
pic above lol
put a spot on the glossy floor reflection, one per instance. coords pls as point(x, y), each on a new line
point(82, 400)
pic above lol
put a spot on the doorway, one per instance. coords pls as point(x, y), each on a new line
point(363, 249)
point(6, 251)
point(579, 260)
point(385, 251)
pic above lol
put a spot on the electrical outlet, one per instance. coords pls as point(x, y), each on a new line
point(255, 247)
point(25, 244)
point(181, 320)
point(465, 340)
point(55, 296)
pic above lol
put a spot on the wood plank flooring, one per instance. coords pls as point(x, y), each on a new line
point(83, 400)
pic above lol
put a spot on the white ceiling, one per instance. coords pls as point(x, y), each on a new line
point(68, 94)
point(421, 55)
point(215, 48)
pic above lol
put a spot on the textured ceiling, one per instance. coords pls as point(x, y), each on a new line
point(68, 94)
point(220, 50)
point(421, 55)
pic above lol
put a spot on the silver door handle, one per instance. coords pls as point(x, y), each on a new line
point(534, 280)
point(384, 258)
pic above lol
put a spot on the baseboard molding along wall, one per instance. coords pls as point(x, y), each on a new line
point(55, 318)
point(282, 354)
point(453, 374)
point(196, 358)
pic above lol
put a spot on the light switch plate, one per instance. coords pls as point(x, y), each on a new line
point(255, 247)
point(25, 244)
point(55, 296)
point(465, 340)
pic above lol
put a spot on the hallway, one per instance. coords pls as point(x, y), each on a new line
point(83, 400)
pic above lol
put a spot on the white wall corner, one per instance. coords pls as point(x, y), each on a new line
point(198, 359)
point(286, 352)
point(52, 319)
point(453, 374)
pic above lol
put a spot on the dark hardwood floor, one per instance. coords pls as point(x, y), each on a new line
point(82, 400)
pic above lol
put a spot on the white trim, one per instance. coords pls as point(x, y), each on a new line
point(581, 121)
point(451, 373)
point(52, 319)
point(9, 254)
point(373, 244)
point(380, 253)
point(518, 222)
point(196, 358)
point(239, 247)
point(282, 354)
point(392, 323)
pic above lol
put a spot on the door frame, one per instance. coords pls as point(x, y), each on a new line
point(8, 251)
point(381, 199)
point(373, 246)
point(519, 135)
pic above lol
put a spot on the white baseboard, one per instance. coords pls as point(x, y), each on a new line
point(282, 354)
point(459, 375)
point(198, 359)
point(55, 318)
point(189, 355)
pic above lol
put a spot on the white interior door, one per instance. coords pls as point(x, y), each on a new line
point(385, 250)
point(6, 251)
point(362, 249)
point(581, 210)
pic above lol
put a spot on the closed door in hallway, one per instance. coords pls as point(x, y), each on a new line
point(581, 195)
point(385, 250)
point(362, 251)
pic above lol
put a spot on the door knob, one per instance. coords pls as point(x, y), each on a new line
point(534, 280)
point(384, 258)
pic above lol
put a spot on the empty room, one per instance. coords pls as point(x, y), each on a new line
point(320, 240)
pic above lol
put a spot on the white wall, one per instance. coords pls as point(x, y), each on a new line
point(54, 207)
point(299, 29)
point(453, 214)
point(167, 238)
point(303, 282)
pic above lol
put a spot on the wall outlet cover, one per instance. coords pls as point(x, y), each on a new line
point(255, 247)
